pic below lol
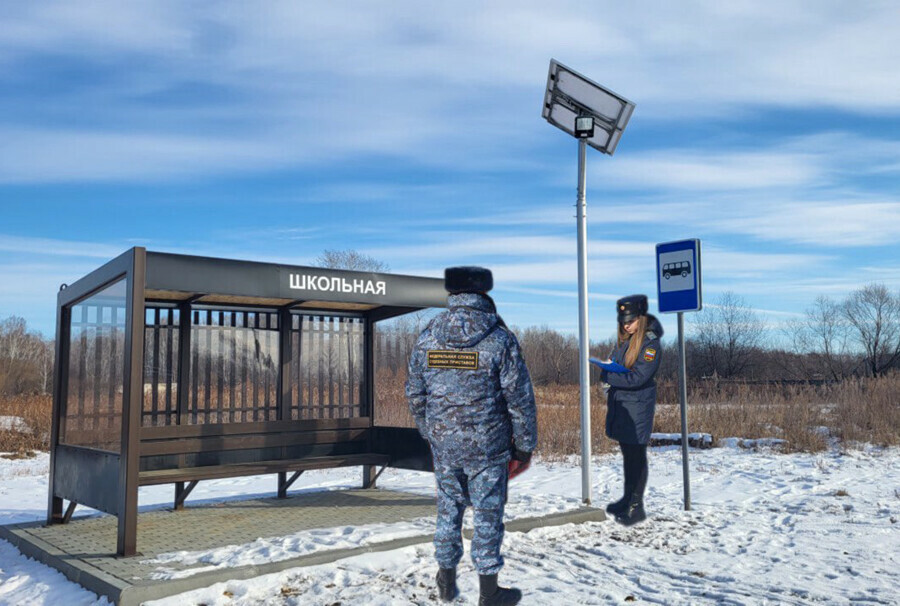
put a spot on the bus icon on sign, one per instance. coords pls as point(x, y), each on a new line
point(682, 268)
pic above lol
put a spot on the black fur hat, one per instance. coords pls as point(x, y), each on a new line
point(630, 307)
point(468, 279)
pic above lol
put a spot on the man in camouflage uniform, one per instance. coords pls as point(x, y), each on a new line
point(471, 396)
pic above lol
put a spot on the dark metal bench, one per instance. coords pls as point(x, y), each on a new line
point(192, 475)
point(302, 445)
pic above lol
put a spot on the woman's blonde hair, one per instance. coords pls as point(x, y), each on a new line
point(634, 347)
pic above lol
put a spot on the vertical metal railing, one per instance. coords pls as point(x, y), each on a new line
point(328, 359)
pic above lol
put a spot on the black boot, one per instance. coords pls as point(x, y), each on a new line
point(634, 511)
point(446, 582)
point(492, 595)
point(619, 506)
point(636, 468)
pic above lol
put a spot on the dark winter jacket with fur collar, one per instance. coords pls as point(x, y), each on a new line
point(631, 400)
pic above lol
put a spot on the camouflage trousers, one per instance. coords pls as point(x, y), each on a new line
point(484, 489)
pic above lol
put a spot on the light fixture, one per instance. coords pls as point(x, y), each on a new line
point(570, 96)
point(584, 127)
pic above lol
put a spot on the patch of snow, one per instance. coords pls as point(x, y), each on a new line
point(11, 423)
point(751, 442)
point(275, 549)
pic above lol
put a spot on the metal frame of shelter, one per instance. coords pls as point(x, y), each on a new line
point(174, 368)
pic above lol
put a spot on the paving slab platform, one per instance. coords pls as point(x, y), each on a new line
point(84, 549)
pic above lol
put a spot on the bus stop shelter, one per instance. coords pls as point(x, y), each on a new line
point(176, 369)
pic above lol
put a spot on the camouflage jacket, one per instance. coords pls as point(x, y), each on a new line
point(468, 388)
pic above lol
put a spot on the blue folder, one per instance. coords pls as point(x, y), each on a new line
point(609, 366)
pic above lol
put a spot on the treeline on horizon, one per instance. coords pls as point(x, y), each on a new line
point(858, 336)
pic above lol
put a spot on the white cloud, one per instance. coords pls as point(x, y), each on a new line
point(42, 155)
point(456, 85)
point(682, 169)
point(67, 248)
point(568, 293)
point(829, 224)
point(466, 246)
point(29, 290)
point(734, 265)
point(788, 164)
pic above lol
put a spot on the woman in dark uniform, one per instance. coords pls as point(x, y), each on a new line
point(631, 400)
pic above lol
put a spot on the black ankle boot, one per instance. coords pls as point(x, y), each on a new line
point(492, 595)
point(619, 506)
point(446, 582)
point(634, 513)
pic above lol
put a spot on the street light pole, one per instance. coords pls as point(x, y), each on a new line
point(584, 369)
point(595, 116)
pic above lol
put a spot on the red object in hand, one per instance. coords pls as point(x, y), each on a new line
point(517, 467)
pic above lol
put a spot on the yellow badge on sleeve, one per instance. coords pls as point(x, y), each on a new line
point(649, 354)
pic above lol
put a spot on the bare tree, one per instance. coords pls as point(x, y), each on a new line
point(350, 259)
point(46, 351)
point(394, 338)
point(728, 335)
point(14, 338)
point(551, 356)
point(26, 360)
point(873, 314)
point(822, 336)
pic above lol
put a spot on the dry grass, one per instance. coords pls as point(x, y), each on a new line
point(748, 412)
point(35, 412)
point(794, 414)
point(865, 410)
point(390, 399)
point(868, 410)
point(559, 420)
point(862, 410)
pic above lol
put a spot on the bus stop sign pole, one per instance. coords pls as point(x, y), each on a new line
point(682, 377)
point(679, 290)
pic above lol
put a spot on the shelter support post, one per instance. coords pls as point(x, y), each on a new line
point(368, 471)
point(60, 380)
point(56, 511)
point(369, 476)
point(132, 403)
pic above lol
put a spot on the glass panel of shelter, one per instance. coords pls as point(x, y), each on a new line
point(161, 346)
point(93, 410)
point(327, 366)
point(234, 362)
point(234, 366)
point(394, 342)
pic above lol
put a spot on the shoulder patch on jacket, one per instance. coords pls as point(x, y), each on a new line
point(649, 354)
point(448, 358)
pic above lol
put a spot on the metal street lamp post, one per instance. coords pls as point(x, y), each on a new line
point(597, 117)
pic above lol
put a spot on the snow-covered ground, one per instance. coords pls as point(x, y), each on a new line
point(766, 528)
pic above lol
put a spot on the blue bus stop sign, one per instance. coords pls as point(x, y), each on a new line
point(678, 276)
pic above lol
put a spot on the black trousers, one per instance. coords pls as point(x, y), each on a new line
point(635, 458)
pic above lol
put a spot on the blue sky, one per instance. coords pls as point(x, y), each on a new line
point(412, 132)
